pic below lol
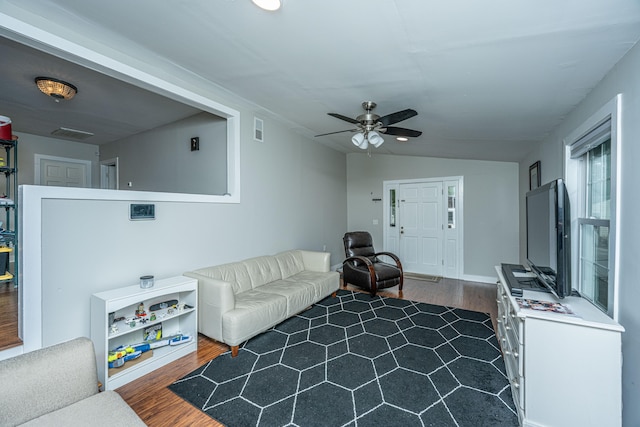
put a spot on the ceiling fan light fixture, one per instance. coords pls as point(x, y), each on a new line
point(270, 5)
point(55, 88)
point(360, 141)
point(375, 139)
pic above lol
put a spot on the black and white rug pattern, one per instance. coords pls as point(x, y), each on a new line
point(357, 360)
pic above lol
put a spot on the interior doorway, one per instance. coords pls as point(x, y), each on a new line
point(423, 224)
point(110, 174)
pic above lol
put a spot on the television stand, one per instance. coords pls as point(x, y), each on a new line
point(564, 370)
point(520, 279)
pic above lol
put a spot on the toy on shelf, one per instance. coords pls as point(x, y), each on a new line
point(152, 333)
point(140, 311)
point(180, 339)
point(120, 355)
point(157, 312)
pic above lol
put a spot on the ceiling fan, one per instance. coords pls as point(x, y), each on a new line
point(369, 126)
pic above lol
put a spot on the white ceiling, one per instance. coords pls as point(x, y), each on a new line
point(489, 79)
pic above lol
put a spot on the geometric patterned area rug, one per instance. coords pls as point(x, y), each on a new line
point(358, 360)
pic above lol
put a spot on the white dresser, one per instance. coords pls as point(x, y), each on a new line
point(564, 370)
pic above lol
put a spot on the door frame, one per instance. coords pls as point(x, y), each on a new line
point(104, 165)
point(391, 234)
point(39, 157)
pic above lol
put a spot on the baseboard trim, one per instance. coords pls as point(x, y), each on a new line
point(481, 279)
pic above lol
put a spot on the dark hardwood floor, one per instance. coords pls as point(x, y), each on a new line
point(8, 316)
point(158, 406)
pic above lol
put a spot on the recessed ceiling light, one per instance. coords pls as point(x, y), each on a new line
point(402, 139)
point(270, 5)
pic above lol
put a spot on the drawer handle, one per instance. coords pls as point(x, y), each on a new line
point(516, 354)
point(515, 383)
point(508, 328)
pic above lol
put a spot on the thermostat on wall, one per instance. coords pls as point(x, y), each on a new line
point(142, 211)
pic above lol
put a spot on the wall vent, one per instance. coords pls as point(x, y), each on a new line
point(258, 129)
point(72, 133)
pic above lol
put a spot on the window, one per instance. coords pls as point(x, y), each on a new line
point(594, 226)
point(392, 207)
point(591, 177)
point(451, 206)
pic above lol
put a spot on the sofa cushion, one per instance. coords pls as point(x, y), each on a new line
point(262, 270)
point(299, 295)
point(323, 283)
point(235, 273)
point(255, 312)
point(104, 409)
point(290, 263)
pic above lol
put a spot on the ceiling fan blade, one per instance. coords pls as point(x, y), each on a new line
point(398, 116)
point(345, 118)
point(339, 131)
point(392, 130)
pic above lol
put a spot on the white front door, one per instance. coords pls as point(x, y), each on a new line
point(421, 227)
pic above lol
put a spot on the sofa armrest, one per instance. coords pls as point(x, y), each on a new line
point(45, 380)
point(215, 297)
point(316, 261)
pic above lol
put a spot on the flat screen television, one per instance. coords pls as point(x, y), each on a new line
point(549, 237)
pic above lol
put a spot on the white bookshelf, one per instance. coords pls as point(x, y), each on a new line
point(123, 302)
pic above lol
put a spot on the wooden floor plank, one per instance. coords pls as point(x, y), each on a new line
point(9, 317)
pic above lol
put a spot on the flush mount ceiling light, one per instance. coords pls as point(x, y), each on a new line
point(269, 5)
point(402, 139)
point(55, 88)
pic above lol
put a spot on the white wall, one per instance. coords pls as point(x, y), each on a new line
point(161, 159)
point(490, 203)
point(293, 196)
point(625, 79)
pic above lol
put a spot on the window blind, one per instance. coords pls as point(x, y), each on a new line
point(592, 139)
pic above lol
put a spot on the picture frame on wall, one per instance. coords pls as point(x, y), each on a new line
point(534, 175)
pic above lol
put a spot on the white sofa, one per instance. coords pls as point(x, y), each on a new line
point(239, 300)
